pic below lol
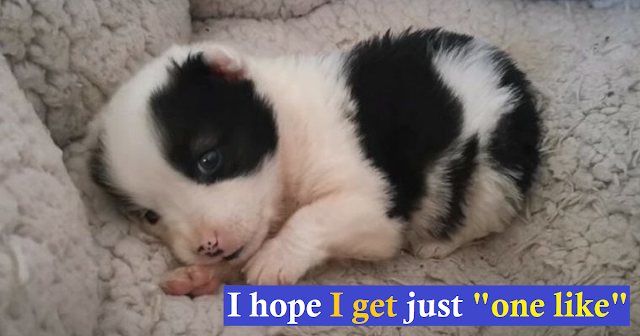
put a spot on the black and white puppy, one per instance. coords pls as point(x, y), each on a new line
point(275, 165)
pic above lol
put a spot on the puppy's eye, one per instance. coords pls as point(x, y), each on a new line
point(210, 162)
point(151, 216)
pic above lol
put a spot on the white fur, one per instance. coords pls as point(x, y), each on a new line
point(340, 200)
point(474, 78)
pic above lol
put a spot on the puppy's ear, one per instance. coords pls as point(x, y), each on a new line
point(225, 61)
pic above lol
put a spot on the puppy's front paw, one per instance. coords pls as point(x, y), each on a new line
point(278, 263)
point(193, 280)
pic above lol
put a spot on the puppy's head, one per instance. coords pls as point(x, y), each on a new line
point(187, 148)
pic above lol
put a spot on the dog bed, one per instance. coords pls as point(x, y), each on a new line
point(69, 265)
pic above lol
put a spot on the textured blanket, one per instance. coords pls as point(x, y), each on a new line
point(65, 272)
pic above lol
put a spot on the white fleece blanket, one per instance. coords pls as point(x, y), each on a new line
point(581, 225)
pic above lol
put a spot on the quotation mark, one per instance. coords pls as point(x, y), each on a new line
point(485, 297)
point(623, 297)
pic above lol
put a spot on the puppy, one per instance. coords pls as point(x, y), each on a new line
point(271, 166)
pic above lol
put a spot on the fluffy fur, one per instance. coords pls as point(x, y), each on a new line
point(427, 135)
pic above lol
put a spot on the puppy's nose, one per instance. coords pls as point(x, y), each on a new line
point(209, 247)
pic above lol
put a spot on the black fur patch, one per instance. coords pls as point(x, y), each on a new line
point(199, 110)
point(406, 116)
point(515, 143)
point(458, 174)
